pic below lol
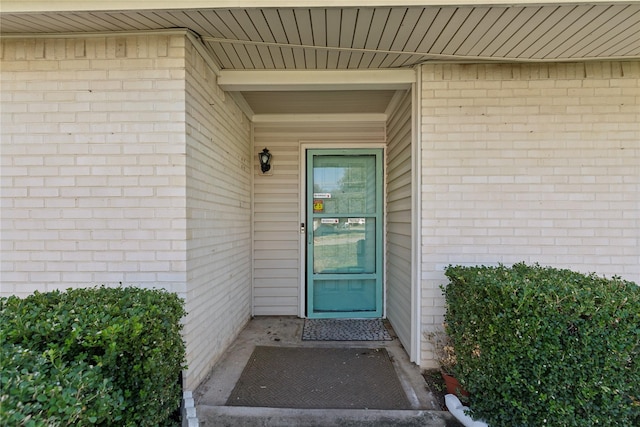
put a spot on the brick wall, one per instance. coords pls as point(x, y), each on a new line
point(218, 185)
point(123, 163)
point(93, 159)
point(536, 163)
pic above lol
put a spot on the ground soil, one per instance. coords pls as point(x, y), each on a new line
point(436, 384)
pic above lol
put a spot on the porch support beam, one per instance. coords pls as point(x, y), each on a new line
point(292, 80)
point(308, 118)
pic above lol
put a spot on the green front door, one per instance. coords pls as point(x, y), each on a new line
point(344, 233)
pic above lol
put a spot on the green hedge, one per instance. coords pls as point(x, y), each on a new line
point(98, 356)
point(541, 346)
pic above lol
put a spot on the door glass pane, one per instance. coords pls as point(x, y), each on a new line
point(345, 185)
point(344, 245)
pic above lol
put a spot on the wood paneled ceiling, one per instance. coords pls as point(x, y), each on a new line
point(373, 37)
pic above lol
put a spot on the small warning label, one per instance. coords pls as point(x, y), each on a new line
point(329, 221)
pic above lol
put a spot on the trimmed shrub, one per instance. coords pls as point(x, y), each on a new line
point(98, 356)
point(542, 346)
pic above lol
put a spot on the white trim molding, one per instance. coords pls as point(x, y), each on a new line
point(416, 220)
point(12, 6)
point(303, 118)
point(292, 80)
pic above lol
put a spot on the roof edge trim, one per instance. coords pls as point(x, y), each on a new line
point(31, 6)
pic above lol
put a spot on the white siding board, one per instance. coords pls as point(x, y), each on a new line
point(397, 232)
point(279, 273)
point(274, 254)
point(399, 197)
point(278, 263)
point(278, 301)
point(277, 210)
point(398, 251)
point(398, 164)
point(275, 310)
point(274, 292)
point(281, 245)
point(400, 269)
point(266, 285)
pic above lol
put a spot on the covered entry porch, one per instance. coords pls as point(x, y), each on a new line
point(132, 134)
point(284, 219)
point(211, 398)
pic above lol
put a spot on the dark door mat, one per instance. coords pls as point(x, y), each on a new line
point(345, 330)
point(319, 378)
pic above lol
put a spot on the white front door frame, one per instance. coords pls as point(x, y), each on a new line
point(308, 145)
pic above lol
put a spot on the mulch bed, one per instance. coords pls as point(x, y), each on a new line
point(435, 383)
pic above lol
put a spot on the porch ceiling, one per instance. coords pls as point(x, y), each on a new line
point(360, 37)
point(354, 37)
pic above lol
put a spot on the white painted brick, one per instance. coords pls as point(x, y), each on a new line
point(44, 277)
point(548, 179)
point(30, 265)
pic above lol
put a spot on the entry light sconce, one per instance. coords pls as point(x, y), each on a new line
point(265, 160)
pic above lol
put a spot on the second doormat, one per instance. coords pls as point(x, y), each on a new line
point(345, 330)
point(319, 378)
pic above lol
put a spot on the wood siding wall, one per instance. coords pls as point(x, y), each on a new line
point(398, 250)
point(277, 209)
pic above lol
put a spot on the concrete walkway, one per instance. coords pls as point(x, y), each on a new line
point(211, 396)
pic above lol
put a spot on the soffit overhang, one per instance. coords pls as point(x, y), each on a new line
point(277, 56)
point(381, 35)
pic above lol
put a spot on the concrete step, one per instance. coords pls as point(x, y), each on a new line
point(235, 416)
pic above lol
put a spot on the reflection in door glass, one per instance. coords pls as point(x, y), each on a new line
point(345, 185)
point(344, 245)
